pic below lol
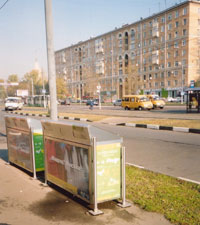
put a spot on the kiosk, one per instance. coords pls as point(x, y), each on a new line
point(86, 161)
point(25, 143)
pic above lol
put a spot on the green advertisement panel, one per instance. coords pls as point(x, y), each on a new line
point(39, 151)
point(108, 172)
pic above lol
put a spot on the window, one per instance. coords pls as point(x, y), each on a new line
point(144, 77)
point(169, 83)
point(176, 44)
point(184, 32)
point(168, 55)
point(176, 34)
point(156, 75)
point(177, 14)
point(132, 45)
point(132, 35)
point(150, 32)
point(169, 16)
point(144, 25)
point(169, 36)
point(175, 82)
point(169, 73)
point(176, 53)
point(169, 26)
point(150, 77)
point(176, 24)
point(183, 42)
point(144, 34)
point(150, 68)
point(150, 23)
point(120, 36)
point(163, 19)
point(162, 84)
point(185, 11)
point(183, 52)
point(176, 72)
point(162, 39)
point(144, 43)
point(169, 64)
point(162, 75)
point(169, 45)
point(176, 63)
point(184, 21)
point(150, 41)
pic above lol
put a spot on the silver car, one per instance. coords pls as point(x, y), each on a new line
point(117, 102)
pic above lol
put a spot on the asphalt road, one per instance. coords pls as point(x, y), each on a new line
point(175, 112)
point(172, 153)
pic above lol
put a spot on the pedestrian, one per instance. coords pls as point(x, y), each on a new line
point(91, 105)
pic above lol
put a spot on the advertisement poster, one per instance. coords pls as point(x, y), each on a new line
point(39, 151)
point(108, 172)
point(67, 166)
point(19, 149)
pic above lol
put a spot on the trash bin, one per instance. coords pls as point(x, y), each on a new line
point(84, 160)
point(25, 143)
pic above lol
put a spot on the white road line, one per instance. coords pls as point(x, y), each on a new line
point(131, 164)
point(185, 179)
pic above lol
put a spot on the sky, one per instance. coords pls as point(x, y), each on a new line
point(23, 35)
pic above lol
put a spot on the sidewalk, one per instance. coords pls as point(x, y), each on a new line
point(26, 201)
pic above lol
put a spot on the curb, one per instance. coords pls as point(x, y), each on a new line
point(148, 126)
point(59, 117)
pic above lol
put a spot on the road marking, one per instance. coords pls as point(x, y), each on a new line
point(131, 164)
point(185, 179)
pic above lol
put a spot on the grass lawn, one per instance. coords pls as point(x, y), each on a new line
point(171, 122)
point(178, 201)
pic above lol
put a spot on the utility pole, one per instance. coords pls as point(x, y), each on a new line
point(51, 60)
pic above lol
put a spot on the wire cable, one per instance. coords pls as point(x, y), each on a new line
point(4, 4)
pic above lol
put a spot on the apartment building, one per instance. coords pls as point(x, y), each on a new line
point(159, 54)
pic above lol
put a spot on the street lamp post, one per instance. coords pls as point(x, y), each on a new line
point(99, 92)
point(182, 92)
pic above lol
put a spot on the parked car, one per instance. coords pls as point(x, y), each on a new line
point(117, 102)
point(65, 102)
point(13, 103)
point(156, 101)
point(94, 102)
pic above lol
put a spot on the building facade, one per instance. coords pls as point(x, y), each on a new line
point(159, 55)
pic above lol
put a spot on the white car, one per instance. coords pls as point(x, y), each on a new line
point(117, 102)
point(13, 103)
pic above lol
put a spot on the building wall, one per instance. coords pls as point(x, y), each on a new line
point(154, 54)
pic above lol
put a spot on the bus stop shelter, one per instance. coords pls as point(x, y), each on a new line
point(193, 99)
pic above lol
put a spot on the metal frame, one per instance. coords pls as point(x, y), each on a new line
point(95, 211)
point(124, 204)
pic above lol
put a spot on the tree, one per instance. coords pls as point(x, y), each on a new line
point(13, 78)
point(2, 89)
point(61, 88)
point(11, 90)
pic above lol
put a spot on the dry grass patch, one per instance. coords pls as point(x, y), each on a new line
point(88, 116)
point(172, 123)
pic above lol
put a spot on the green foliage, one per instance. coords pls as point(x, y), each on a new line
point(13, 78)
point(61, 88)
point(164, 93)
point(177, 200)
point(141, 92)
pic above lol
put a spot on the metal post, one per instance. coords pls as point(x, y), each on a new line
point(51, 60)
point(33, 155)
point(96, 211)
point(124, 204)
point(182, 93)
